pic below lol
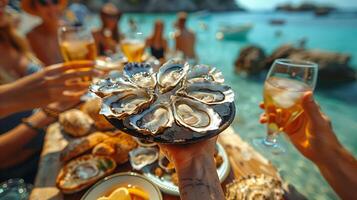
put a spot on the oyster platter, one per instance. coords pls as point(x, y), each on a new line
point(177, 103)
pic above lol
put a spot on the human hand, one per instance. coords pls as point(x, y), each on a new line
point(182, 155)
point(56, 83)
point(311, 133)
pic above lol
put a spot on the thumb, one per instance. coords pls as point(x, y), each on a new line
point(311, 108)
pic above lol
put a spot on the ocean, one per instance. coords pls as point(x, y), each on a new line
point(336, 32)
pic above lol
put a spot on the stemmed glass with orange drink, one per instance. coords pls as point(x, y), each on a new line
point(286, 83)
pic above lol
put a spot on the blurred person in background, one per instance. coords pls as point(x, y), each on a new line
point(54, 91)
point(107, 38)
point(43, 38)
point(16, 59)
point(79, 11)
point(185, 39)
point(156, 42)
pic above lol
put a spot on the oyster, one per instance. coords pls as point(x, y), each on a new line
point(208, 92)
point(154, 119)
point(170, 74)
point(195, 115)
point(82, 172)
point(199, 73)
point(141, 157)
point(140, 74)
point(105, 87)
point(126, 103)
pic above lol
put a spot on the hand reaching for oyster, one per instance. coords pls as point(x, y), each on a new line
point(176, 96)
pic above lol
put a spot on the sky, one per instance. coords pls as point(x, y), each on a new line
point(270, 4)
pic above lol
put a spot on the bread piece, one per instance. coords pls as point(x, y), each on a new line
point(84, 171)
point(121, 145)
point(92, 108)
point(75, 122)
point(81, 145)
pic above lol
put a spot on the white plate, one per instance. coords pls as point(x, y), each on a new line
point(112, 182)
point(169, 187)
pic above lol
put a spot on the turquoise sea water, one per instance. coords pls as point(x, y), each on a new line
point(333, 33)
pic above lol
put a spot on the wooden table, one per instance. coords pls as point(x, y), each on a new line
point(243, 158)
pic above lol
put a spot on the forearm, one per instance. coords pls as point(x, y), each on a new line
point(198, 179)
point(18, 142)
point(340, 171)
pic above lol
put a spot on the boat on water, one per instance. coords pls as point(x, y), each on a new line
point(277, 22)
point(234, 32)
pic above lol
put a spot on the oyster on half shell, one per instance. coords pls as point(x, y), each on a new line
point(208, 92)
point(140, 74)
point(143, 156)
point(199, 73)
point(170, 74)
point(126, 103)
point(106, 87)
point(195, 115)
point(154, 119)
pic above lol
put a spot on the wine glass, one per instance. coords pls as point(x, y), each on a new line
point(285, 85)
point(133, 46)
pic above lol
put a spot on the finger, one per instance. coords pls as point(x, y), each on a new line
point(261, 105)
point(263, 118)
point(77, 74)
point(311, 108)
point(62, 67)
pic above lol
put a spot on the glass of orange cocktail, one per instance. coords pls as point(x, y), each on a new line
point(286, 83)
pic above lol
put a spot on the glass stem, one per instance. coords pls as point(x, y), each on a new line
point(270, 140)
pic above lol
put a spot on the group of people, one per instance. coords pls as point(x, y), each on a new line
point(32, 76)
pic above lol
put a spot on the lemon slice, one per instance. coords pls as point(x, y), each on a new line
point(139, 193)
point(120, 194)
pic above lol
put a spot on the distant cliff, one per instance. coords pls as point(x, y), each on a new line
point(305, 7)
point(169, 5)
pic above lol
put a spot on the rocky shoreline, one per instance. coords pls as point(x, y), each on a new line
point(148, 6)
point(334, 68)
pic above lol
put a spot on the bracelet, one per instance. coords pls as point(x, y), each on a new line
point(31, 126)
point(51, 112)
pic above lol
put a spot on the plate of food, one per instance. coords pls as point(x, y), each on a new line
point(123, 186)
point(177, 104)
point(157, 168)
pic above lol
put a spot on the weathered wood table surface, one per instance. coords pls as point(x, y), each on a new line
point(243, 158)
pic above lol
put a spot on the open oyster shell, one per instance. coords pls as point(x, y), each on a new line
point(208, 92)
point(170, 74)
point(141, 157)
point(154, 119)
point(195, 115)
point(165, 164)
point(126, 103)
point(82, 172)
point(105, 87)
point(140, 74)
point(199, 73)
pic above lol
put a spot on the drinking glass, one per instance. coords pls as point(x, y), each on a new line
point(76, 43)
point(133, 46)
point(285, 85)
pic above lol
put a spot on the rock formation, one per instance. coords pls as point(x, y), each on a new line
point(334, 68)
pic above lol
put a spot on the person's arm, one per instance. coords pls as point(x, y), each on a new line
point(21, 139)
point(54, 83)
point(196, 170)
point(312, 135)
